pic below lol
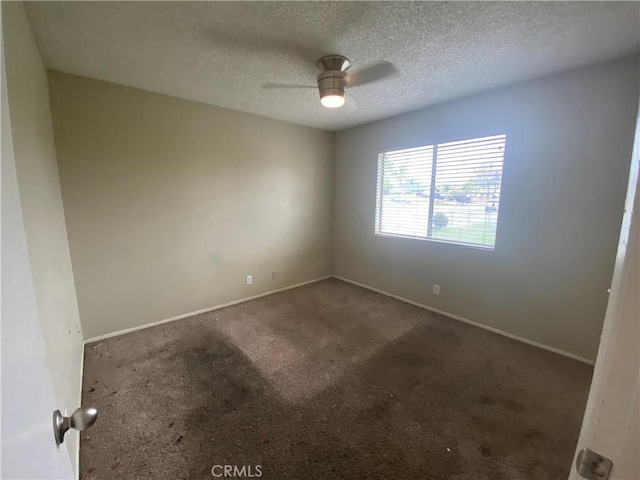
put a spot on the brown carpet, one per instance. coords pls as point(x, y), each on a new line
point(329, 381)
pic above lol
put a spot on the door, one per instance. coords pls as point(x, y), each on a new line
point(28, 446)
point(611, 425)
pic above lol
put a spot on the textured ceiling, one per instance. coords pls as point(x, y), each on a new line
point(222, 53)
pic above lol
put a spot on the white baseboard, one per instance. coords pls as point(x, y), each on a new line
point(198, 312)
point(471, 322)
point(402, 299)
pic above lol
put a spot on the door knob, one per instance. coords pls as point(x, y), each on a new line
point(79, 420)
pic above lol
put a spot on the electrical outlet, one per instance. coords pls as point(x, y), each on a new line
point(249, 279)
point(436, 289)
point(274, 275)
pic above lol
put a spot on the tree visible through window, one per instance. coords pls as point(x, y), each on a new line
point(448, 192)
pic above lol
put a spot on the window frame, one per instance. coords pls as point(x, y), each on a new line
point(379, 196)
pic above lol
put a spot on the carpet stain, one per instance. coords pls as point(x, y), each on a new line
point(329, 381)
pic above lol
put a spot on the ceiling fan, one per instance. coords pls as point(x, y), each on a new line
point(334, 80)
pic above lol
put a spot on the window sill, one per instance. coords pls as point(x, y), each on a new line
point(437, 240)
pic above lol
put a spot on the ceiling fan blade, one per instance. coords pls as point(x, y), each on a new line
point(371, 74)
point(272, 86)
point(350, 104)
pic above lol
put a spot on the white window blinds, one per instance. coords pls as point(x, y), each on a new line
point(448, 192)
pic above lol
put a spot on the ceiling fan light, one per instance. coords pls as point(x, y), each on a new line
point(332, 101)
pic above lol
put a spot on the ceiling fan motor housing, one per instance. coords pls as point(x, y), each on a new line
point(332, 79)
point(332, 83)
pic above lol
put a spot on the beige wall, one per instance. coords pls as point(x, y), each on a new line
point(170, 204)
point(569, 140)
point(41, 203)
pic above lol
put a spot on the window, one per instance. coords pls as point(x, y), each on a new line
point(448, 192)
